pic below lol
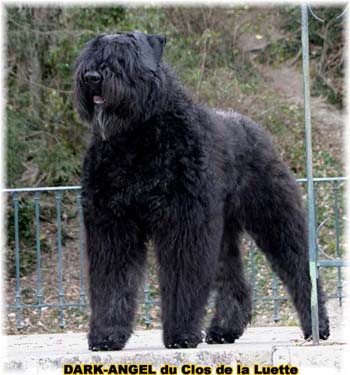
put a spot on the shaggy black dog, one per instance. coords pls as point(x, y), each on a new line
point(191, 179)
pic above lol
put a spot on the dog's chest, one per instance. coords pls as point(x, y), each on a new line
point(136, 175)
point(145, 176)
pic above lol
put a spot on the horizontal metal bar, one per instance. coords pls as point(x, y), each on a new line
point(261, 298)
point(41, 305)
point(325, 179)
point(63, 188)
point(33, 190)
point(279, 298)
point(283, 298)
point(334, 263)
point(336, 296)
point(150, 302)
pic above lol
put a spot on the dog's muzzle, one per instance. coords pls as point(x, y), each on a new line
point(93, 79)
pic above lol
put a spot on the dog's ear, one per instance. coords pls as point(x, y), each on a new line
point(151, 49)
point(157, 43)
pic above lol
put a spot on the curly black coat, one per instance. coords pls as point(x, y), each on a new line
point(190, 178)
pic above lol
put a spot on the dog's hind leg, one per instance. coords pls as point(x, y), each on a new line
point(116, 258)
point(233, 298)
point(276, 220)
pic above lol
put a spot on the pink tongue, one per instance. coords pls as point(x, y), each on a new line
point(98, 100)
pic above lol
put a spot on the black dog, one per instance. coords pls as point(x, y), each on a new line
point(191, 179)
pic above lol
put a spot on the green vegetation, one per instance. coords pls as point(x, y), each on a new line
point(326, 49)
point(46, 139)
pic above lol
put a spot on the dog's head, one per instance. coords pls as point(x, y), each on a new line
point(118, 74)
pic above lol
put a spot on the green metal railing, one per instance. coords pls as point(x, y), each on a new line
point(332, 216)
point(61, 305)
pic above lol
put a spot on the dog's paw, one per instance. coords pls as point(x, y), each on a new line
point(324, 333)
point(106, 343)
point(183, 341)
point(103, 346)
point(219, 336)
point(324, 330)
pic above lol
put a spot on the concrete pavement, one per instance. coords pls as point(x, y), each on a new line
point(46, 354)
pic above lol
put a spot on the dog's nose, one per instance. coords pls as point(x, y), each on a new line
point(92, 77)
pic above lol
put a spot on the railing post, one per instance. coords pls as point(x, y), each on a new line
point(337, 240)
point(253, 274)
point(58, 198)
point(309, 174)
point(147, 302)
point(275, 298)
point(17, 260)
point(38, 250)
point(81, 253)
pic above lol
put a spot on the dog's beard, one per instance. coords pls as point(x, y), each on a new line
point(114, 112)
point(105, 121)
point(105, 125)
point(101, 123)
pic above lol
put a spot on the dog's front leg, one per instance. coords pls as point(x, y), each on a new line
point(116, 256)
point(187, 250)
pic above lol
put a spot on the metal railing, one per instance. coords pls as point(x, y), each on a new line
point(57, 201)
point(61, 305)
